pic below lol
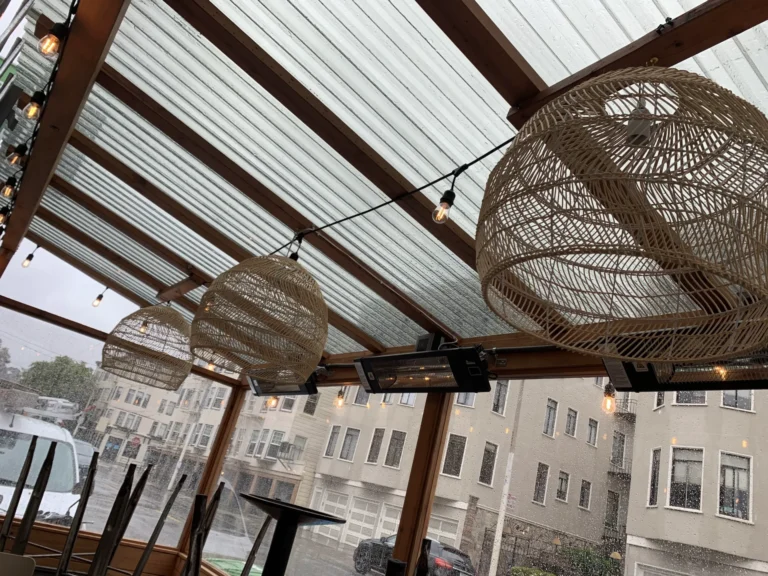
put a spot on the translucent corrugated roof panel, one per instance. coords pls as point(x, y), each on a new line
point(158, 52)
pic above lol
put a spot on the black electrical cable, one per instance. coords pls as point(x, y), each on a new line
point(455, 173)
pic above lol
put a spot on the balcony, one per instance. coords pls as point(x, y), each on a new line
point(620, 467)
point(626, 408)
point(615, 532)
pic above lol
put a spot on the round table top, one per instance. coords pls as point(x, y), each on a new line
point(299, 514)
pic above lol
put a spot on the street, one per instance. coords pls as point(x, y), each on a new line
point(227, 539)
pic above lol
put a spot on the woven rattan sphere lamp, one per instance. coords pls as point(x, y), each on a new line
point(150, 346)
point(265, 317)
point(629, 220)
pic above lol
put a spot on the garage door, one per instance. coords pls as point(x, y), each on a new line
point(443, 530)
point(390, 520)
point(334, 503)
point(361, 522)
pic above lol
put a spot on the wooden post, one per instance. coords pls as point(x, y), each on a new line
point(209, 482)
point(423, 479)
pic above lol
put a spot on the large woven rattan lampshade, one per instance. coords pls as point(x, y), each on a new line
point(265, 317)
point(629, 220)
point(150, 346)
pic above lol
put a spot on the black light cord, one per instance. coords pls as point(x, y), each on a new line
point(299, 236)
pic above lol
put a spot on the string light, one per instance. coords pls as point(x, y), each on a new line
point(211, 366)
point(4, 211)
point(609, 399)
point(50, 44)
point(9, 187)
point(97, 302)
point(144, 327)
point(35, 106)
point(29, 258)
point(272, 402)
point(443, 208)
point(16, 156)
point(339, 401)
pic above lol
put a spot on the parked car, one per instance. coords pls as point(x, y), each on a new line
point(373, 554)
point(84, 454)
point(60, 499)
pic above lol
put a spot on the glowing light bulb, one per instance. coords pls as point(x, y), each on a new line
point(609, 404)
point(98, 300)
point(443, 209)
point(339, 401)
point(4, 214)
point(17, 155)
point(720, 371)
point(8, 187)
point(34, 106)
point(27, 261)
point(211, 366)
point(272, 402)
point(144, 327)
point(50, 44)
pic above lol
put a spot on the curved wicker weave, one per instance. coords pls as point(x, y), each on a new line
point(158, 356)
point(265, 317)
point(629, 219)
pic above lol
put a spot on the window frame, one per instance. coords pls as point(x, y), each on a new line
point(750, 410)
point(467, 395)
point(129, 396)
point(411, 396)
point(292, 398)
point(211, 436)
point(667, 505)
point(567, 486)
point(214, 398)
point(402, 450)
point(751, 519)
point(344, 438)
point(597, 432)
point(263, 443)
point(252, 441)
point(677, 395)
point(575, 423)
point(660, 394)
point(589, 495)
point(362, 390)
point(619, 434)
point(163, 404)
point(370, 445)
point(493, 470)
point(313, 404)
point(546, 484)
point(506, 397)
point(650, 479)
point(272, 443)
point(445, 454)
point(554, 419)
point(328, 441)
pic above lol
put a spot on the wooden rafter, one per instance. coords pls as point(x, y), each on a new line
point(88, 42)
point(697, 30)
point(195, 222)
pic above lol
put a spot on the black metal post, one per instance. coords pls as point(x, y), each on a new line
point(108, 537)
point(21, 483)
point(256, 545)
point(133, 503)
point(25, 528)
point(282, 544)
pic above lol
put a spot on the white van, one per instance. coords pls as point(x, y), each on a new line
point(16, 432)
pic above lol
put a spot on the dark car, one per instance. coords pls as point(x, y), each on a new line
point(444, 560)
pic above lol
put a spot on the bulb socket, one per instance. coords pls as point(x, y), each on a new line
point(449, 196)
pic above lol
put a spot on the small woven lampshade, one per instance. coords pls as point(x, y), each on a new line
point(629, 219)
point(150, 346)
point(265, 317)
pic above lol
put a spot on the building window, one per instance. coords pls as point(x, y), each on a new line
point(252, 443)
point(488, 465)
point(208, 395)
point(740, 399)
point(549, 418)
point(660, 399)
point(617, 449)
point(262, 442)
point(186, 432)
point(205, 435)
point(129, 421)
point(395, 449)
point(690, 397)
point(454, 455)
point(118, 392)
point(288, 402)
point(585, 494)
point(195, 434)
point(653, 488)
point(218, 400)
point(263, 486)
point(570, 422)
point(500, 397)
point(146, 400)
point(407, 399)
point(136, 423)
point(299, 443)
point(139, 398)
point(349, 445)
point(465, 399)
point(264, 405)
point(540, 488)
point(153, 429)
point(361, 397)
point(175, 432)
point(592, 432)
point(735, 486)
point(685, 483)
point(129, 396)
point(612, 510)
point(332, 439)
point(162, 430)
point(562, 486)
point(171, 408)
point(376, 441)
point(311, 404)
point(189, 395)
point(274, 445)
point(388, 399)
point(110, 412)
point(163, 403)
point(284, 491)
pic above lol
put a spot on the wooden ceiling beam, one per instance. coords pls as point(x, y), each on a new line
point(87, 44)
point(177, 290)
point(124, 264)
point(699, 29)
point(194, 222)
point(223, 165)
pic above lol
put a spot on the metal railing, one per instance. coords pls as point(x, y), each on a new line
point(617, 532)
point(623, 466)
point(626, 406)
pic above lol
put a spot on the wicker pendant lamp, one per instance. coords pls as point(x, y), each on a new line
point(150, 346)
point(265, 317)
point(629, 219)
